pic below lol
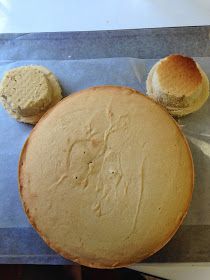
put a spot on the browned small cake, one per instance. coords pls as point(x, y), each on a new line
point(179, 84)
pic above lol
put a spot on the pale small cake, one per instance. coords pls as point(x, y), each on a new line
point(178, 83)
point(27, 92)
point(106, 177)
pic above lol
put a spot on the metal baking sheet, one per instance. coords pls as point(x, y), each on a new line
point(19, 243)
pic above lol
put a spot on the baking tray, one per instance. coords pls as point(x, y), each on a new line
point(22, 244)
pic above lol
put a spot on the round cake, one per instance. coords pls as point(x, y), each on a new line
point(178, 83)
point(106, 177)
point(27, 92)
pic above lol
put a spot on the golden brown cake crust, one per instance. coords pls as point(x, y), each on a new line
point(179, 74)
point(179, 84)
point(29, 198)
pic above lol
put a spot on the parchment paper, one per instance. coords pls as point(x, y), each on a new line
point(74, 75)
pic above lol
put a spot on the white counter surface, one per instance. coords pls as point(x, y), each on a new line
point(78, 15)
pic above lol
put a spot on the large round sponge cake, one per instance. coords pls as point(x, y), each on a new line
point(106, 177)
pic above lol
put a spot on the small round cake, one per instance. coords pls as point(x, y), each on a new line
point(179, 84)
point(106, 177)
point(27, 92)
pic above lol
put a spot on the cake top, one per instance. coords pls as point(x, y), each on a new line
point(178, 75)
point(106, 177)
